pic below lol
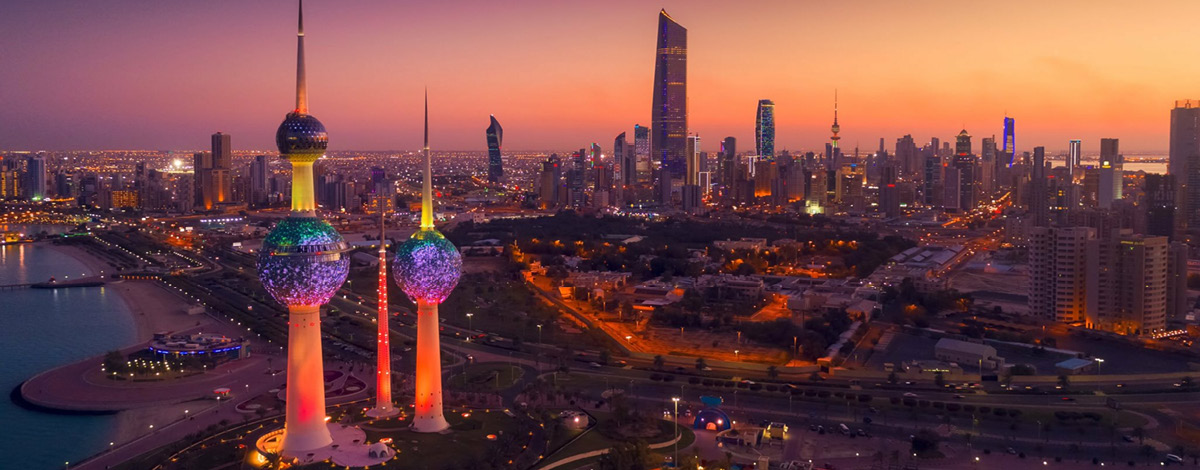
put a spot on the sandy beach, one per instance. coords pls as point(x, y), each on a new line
point(154, 309)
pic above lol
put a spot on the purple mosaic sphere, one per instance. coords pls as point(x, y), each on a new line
point(427, 266)
point(303, 261)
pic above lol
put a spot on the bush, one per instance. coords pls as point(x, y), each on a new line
point(696, 380)
point(939, 405)
point(894, 400)
point(668, 378)
point(755, 387)
point(985, 409)
point(772, 388)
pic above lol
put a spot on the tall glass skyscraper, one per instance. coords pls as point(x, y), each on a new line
point(764, 131)
point(668, 119)
point(1009, 148)
point(495, 137)
point(1184, 161)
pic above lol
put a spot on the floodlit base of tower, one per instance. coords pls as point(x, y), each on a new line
point(427, 416)
point(348, 448)
point(383, 412)
point(304, 426)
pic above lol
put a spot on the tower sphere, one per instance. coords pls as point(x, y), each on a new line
point(303, 261)
point(301, 136)
point(427, 266)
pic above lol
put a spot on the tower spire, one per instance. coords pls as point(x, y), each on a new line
point(301, 84)
point(835, 128)
point(427, 192)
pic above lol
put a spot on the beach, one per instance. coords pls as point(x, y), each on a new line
point(154, 309)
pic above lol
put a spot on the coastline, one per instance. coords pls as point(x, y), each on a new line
point(153, 308)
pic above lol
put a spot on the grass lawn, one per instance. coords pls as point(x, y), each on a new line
point(593, 440)
point(486, 377)
point(467, 444)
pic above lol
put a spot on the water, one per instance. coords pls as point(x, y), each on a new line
point(47, 328)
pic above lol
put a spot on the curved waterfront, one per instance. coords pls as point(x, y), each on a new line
point(45, 329)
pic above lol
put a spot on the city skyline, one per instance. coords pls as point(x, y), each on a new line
point(1086, 85)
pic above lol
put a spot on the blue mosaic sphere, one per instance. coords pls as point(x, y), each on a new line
point(301, 135)
point(427, 266)
point(303, 261)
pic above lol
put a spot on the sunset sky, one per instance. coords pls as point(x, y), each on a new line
point(560, 74)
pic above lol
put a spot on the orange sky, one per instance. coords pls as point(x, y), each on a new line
point(561, 74)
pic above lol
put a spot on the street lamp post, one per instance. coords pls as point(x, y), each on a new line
point(539, 333)
point(736, 356)
point(1099, 362)
point(469, 323)
point(676, 418)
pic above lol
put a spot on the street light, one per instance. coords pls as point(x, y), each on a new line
point(736, 356)
point(539, 333)
point(1099, 362)
point(676, 418)
point(469, 327)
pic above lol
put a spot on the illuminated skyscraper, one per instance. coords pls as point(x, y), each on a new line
point(1112, 173)
point(668, 118)
point(427, 268)
point(764, 130)
point(727, 166)
point(495, 138)
point(302, 263)
point(222, 163)
point(1009, 148)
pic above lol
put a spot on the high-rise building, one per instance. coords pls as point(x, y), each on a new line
point(1159, 191)
point(1127, 284)
point(908, 157)
point(1038, 197)
point(1058, 272)
point(641, 151)
point(1074, 156)
point(202, 171)
point(1009, 148)
point(35, 178)
point(690, 195)
point(495, 138)
point(1112, 174)
point(832, 153)
point(968, 174)
point(549, 183)
point(764, 130)
point(1177, 289)
point(987, 166)
point(669, 114)
point(222, 166)
point(727, 166)
point(889, 193)
point(259, 181)
point(302, 263)
point(624, 155)
point(1184, 162)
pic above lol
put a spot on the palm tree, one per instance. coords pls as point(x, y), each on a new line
point(659, 362)
point(773, 372)
point(700, 364)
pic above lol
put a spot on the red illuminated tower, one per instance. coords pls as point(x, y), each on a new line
point(383, 350)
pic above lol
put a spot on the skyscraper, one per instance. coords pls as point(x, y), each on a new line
point(202, 171)
point(641, 151)
point(35, 178)
point(495, 138)
point(1038, 198)
point(764, 130)
point(668, 118)
point(1159, 202)
point(259, 181)
point(727, 166)
point(222, 164)
point(1009, 146)
point(1074, 155)
point(427, 267)
point(302, 263)
point(1184, 161)
point(690, 192)
point(1111, 174)
point(968, 173)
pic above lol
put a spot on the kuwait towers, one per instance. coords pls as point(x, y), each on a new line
point(302, 263)
point(427, 267)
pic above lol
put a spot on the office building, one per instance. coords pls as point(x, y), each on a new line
point(764, 130)
point(222, 169)
point(260, 172)
point(495, 138)
point(1184, 162)
point(1111, 184)
point(1009, 148)
point(669, 113)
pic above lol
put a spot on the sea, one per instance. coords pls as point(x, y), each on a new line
point(42, 329)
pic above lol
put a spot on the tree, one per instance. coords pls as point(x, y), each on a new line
point(1064, 381)
point(700, 364)
point(605, 356)
point(892, 378)
point(939, 380)
point(1140, 434)
point(659, 362)
point(925, 443)
point(627, 456)
point(773, 372)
